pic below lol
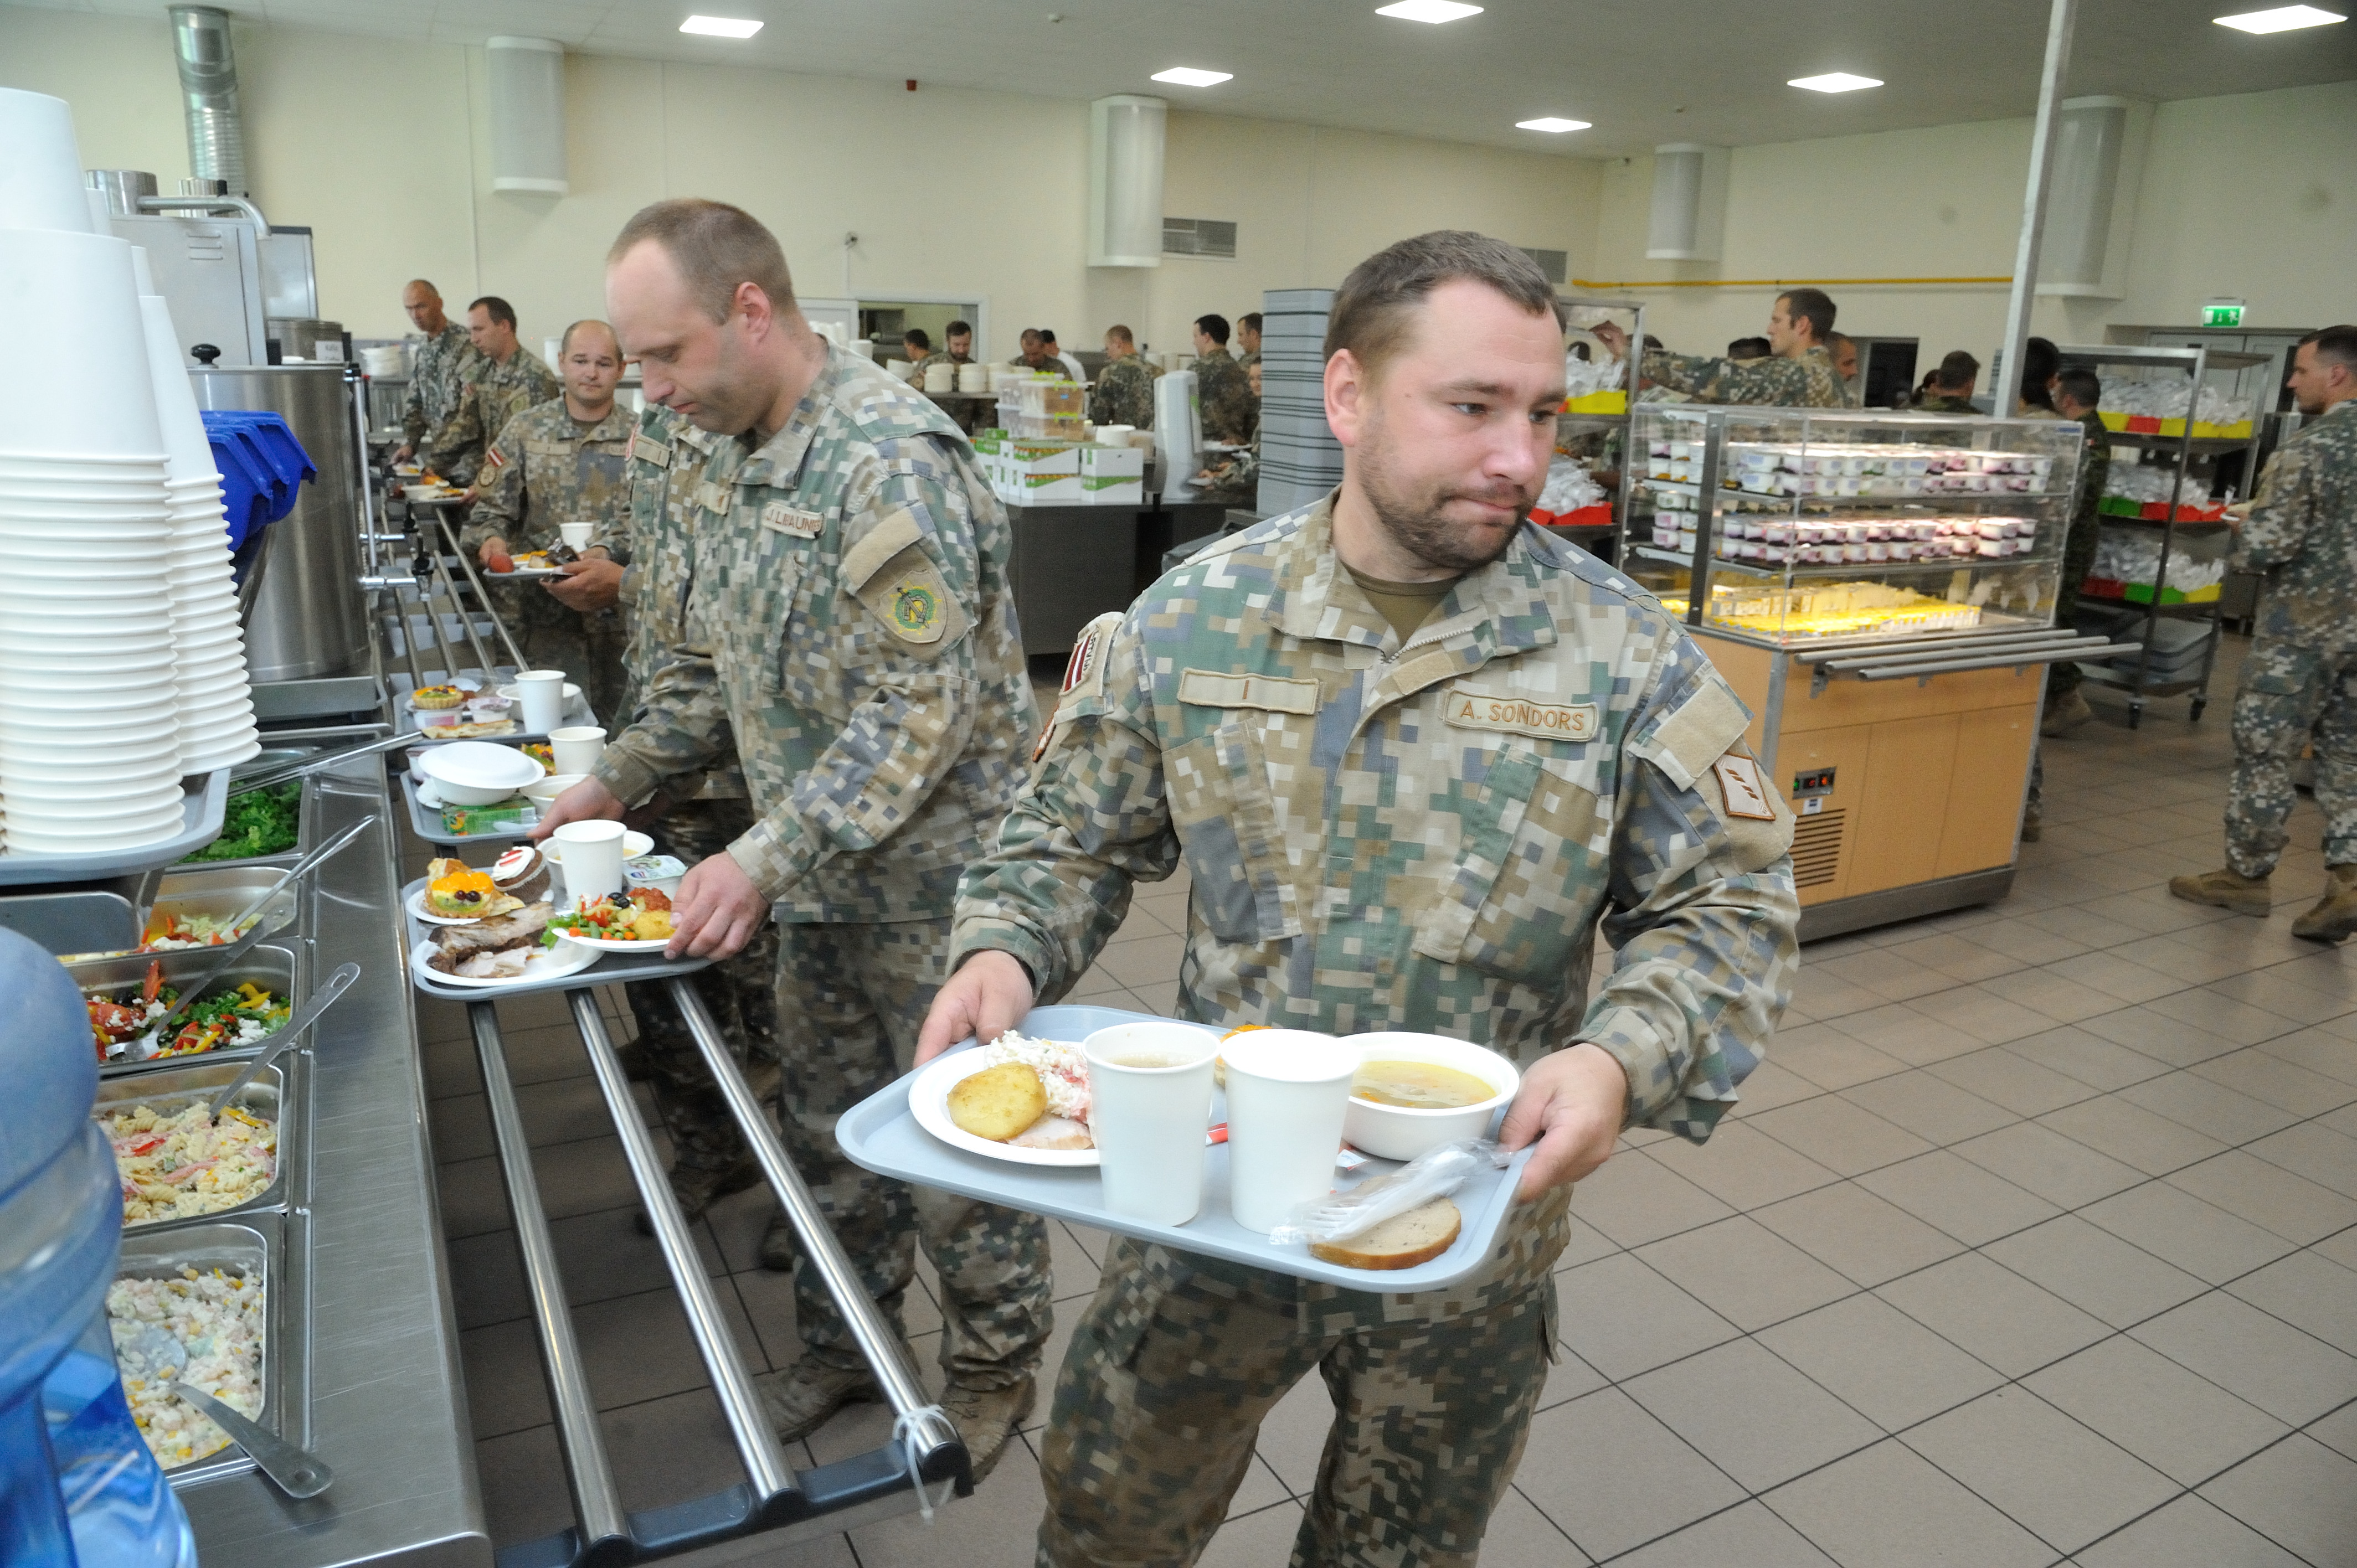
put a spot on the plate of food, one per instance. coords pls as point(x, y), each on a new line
point(502, 950)
point(455, 894)
point(1017, 1098)
point(639, 922)
point(531, 564)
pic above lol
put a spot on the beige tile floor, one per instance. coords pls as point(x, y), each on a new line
point(2034, 1242)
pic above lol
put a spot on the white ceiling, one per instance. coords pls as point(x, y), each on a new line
point(1642, 70)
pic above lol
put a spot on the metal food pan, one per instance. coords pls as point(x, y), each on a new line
point(306, 830)
point(256, 1245)
point(222, 891)
point(279, 1094)
point(282, 970)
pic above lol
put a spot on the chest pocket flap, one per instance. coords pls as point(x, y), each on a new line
point(890, 573)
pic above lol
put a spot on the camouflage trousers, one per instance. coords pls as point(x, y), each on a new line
point(587, 648)
point(1178, 1358)
point(739, 993)
point(2288, 697)
point(850, 1001)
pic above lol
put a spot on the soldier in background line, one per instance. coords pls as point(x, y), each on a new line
point(1798, 373)
point(502, 380)
point(438, 376)
point(1248, 338)
point(849, 629)
point(564, 461)
point(1123, 392)
point(2299, 534)
point(1412, 752)
point(1230, 412)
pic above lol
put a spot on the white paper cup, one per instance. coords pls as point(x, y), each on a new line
point(593, 858)
point(577, 747)
point(72, 307)
point(41, 179)
point(1287, 1093)
point(577, 534)
point(540, 693)
point(1149, 1097)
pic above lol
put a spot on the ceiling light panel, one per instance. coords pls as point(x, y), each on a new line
point(1551, 122)
point(1834, 82)
point(1435, 11)
point(1189, 76)
point(720, 26)
point(2282, 19)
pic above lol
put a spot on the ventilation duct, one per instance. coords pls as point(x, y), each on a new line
point(2098, 153)
point(1689, 203)
point(208, 93)
point(1125, 135)
point(527, 92)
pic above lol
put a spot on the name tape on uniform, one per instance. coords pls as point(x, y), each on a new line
point(1520, 715)
point(783, 519)
point(1741, 789)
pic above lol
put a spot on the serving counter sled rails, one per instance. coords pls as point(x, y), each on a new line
point(1878, 589)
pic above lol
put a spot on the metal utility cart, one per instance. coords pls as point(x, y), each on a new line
point(1598, 428)
point(2182, 526)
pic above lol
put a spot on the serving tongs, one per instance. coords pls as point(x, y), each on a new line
point(278, 773)
point(301, 1018)
point(302, 868)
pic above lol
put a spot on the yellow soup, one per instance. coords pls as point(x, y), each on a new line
point(1418, 1086)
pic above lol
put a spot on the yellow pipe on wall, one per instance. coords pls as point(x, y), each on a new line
point(1777, 283)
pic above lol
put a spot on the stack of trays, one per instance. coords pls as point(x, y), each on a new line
point(1300, 460)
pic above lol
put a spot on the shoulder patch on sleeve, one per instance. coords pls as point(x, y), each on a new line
point(886, 540)
point(1697, 733)
point(1084, 671)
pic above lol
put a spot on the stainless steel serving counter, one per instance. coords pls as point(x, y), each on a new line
point(388, 1408)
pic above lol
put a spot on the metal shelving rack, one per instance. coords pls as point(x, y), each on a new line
point(2188, 451)
point(1609, 427)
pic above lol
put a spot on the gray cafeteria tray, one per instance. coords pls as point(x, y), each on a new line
point(203, 796)
point(273, 1245)
point(427, 822)
point(278, 1094)
point(610, 969)
point(880, 1134)
point(283, 969)
point(576, 712)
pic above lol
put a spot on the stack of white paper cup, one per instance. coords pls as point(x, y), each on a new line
point(40, 178)
point(216, 708)
point(90, 755)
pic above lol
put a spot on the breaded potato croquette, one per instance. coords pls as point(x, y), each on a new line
point(998, 1102)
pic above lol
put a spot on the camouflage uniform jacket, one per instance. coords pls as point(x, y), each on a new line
point(494, 394)
point(1942, 402)
point(937, 357)
point(1248, 359)
point(1808, 382)
point(1124, 393)
point(442, 363)
point(2094, 471)
point(1421, 837)
point(667, 456)
point(548, 468)
point(850, 625)
point(2301, 536)
point(1230, 412)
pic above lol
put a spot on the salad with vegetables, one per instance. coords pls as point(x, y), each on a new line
point(644, 916)
point(257, 822)
point(238, 1017)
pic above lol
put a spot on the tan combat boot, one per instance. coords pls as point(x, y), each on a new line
point(2335, 914)
point(779, 1246)
point(2227, 889)
point(987, 1419)
point(800, 1398)
point(2065, 717)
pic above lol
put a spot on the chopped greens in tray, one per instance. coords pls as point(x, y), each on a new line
point(120, 1023)
point(258, 823)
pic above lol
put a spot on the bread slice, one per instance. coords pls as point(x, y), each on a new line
point(1416, 1237)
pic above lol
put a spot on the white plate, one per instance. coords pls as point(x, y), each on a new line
point(611, 944)
point(514, 694)
point(522, 573)
point(417, 908)
point(547, 964)
point(929, 1102)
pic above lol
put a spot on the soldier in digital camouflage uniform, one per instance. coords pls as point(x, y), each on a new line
point(2301, 536)
point(2077, 392)
point(1229, 410)
point(1394, 817)
point(438, 375)
point(1248, 338)
point(502, 380)
point(1123, 392)
point(848, 627)
point(1798, 373)
point(564, 461)
point(694, 816)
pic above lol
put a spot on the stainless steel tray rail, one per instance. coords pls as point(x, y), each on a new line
point(774, 1505)
point(1893, 658)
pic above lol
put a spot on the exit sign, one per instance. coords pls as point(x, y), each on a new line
point(2223, 312)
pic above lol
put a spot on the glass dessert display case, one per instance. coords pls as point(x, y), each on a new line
point(1879, 590)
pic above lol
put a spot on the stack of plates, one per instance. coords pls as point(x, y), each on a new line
point(1299, 458)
